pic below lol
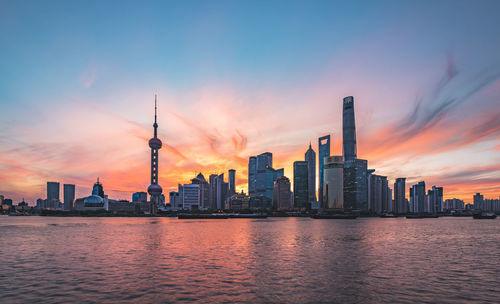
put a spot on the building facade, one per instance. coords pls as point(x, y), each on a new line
point(333, 196)
point(400, 206)
point(323, 151)
point(310, 158)
point(300, 185)
point(418, 198)
point(348, 129)
point(355, 184)
point(282, 194)
point(69, 196)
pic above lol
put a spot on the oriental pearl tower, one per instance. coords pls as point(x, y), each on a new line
point(154, 189)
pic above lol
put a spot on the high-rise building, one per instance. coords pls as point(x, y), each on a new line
point(333, 197)
point(174, 200)
point(310, 158)
point(454, 204)
point(281, 194)
point(355, 184)
point(191, 196)
point(323, 151)
point(232, 181)
point(212, 191)
point(478, 201)
point(221, 193)
point(252, 171)
point(204, 190)
point(400, 206)
point(434, 202)
point(154, 189)
point(417, 198)
point(300, 185)
point(53, 199)
point(262, 176)
point(69, 196)
point(349, 129)
point(379, 193)
point(140, 197)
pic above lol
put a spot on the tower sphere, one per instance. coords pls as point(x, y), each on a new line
point(155, 190)
point(155, 143)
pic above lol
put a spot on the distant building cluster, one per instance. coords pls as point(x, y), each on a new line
point(345, 183)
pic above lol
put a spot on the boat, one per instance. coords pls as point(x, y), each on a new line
point(338, 216)
point(387, 215)
point(198, 216)
point(243, 215)
point(484, 216)
point(421, 216)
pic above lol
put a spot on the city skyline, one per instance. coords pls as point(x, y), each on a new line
point(73, 112)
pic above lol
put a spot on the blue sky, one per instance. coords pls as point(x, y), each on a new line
point(271, 71)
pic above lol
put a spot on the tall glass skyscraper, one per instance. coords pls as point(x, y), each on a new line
point(310, 158)
point(400, 205)
point(334, 183)
point(355, 184)
point(232, 181)
point(323, 151)
point(349, 129)
point(69, 196)
point(261, 176)
point(300, 185)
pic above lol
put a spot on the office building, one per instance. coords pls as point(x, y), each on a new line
point(454, 204)
point(434, 202)
point(333, 197)
point(232, 181)
point(204, 191)
point(190, 196)
point(355, 184)
point(417, 198)
point(400, 206)
point(69, 196)
point(379, 193)
point(310, 158)
point(53, 199)
point(323, 151)
point(174, 200)
point(478, 201)
point(262, 176)
point(281, 194)
point(140, 197)
point(300, 185)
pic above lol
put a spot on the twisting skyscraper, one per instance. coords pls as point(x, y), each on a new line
point(154, 189)
point(349, 129)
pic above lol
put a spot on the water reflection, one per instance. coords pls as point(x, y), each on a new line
point(248, 260)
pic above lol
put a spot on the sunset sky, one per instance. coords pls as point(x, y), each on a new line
point(238, 78)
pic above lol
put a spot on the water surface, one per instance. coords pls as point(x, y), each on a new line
point(279, 260)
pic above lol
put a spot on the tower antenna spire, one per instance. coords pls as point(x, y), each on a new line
point(155, 108)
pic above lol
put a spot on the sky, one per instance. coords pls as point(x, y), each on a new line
point(238, 78)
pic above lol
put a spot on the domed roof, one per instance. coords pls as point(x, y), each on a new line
point(93, 199)
point(154, 189)
point(155, 143)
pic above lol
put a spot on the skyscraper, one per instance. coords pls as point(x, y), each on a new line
point(333, 197)
point(323, 151)
point(417, 198)
point(478, 201)
point(204, 190)
point(310, 158)
point(53, 195)
point(355, 184)
point(281, 194)
point(349, 129)
point(212, 191)
point(262, 175)
point(154, 189)
point(300, 185)
point(69, 196)
point(379, 193)
point(232, 181)
point(435, 200)
point(140, 197)
point(400, 206)
point(252, 171)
